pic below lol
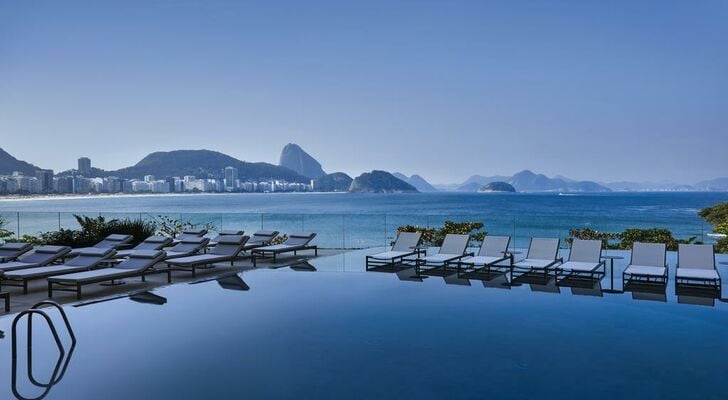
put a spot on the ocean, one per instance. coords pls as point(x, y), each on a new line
point(353, 220)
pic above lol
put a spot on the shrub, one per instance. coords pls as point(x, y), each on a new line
point(625, 239)
point(171, 227)
point(435, 236)
point(652, 235)
point(591, 234)
point(4, 233)
point(716, 214)
point(93, 230)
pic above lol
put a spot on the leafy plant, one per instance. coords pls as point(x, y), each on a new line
point(93, 230)
point(171, 227)
point(716, 214)
point(435, 236)
point(4, 233)
point(591, 234)
point(626, 239)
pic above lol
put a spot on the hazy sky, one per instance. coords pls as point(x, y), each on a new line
point(603, 90)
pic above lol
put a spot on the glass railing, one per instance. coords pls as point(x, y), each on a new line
point(356, 231)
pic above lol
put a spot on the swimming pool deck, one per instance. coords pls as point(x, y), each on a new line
point(38, 289)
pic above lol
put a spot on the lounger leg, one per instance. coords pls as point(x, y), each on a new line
point(25, 286)
point(169, 275)
point(253, 257)
point(315, 251)
point(50, 289)
point(144, 279)
point(78, 292)
point(193, 271)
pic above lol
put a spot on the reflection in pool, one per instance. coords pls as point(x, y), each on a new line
point(327, 329)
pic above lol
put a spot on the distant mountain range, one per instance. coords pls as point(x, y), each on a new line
point(201, 164)
point(527, 181)
point(298, 166)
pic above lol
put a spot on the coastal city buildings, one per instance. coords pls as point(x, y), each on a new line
point(45, 182)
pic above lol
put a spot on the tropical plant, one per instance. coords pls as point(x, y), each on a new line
point(651, 235)
point(591, 234)
point(171, 227)
point(717, 216)
point(4, 233)
point(626, 239)
point(94, 230)
point(434, 236)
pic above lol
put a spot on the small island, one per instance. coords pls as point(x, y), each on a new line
point(380, 182)
point(497, 187)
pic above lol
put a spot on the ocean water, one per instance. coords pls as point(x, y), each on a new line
point(365, 220)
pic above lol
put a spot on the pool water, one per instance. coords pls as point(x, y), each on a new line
point(328, 329)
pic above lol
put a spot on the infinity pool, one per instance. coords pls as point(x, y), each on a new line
point(327, 329)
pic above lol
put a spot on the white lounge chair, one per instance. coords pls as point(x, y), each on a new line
point(648, 264)
point(696, 265)
point(137, 264)
point(404, 246)
point(585, 258)
point(542, 254)
point(453, 249)
point(88, 259)
point(10, 251)
point(150, 243)
point(293, 244)
point(227, 249)
point(113, 241)
point(38, 257)
point(493, 251)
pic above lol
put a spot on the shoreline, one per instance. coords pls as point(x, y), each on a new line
point(137, 195)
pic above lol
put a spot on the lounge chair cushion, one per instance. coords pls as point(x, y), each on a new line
point(14, 246)
point(226, 233)
point(645, 270)
point(94, 275)
point(578, 266)
point(15, 265)
point(388, 255)
point(40, 272)
point(439, 258)
point(51, 249)
point(281, 247)
point(694, 273)
point(534, 263)
point(200, 259)
point(482, 260)
point(118, 238)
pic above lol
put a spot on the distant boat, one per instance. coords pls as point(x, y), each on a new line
point(717, 235)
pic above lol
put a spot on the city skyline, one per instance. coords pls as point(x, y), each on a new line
point(588, 90)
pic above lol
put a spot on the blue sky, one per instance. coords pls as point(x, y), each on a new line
point(629, 90)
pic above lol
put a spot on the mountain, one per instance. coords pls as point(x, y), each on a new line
point(202, 164)
point(497, 187)
point(717, 184)
point(627, 186)
point(475, 182)
point(294, 158)
point(9, 164)
point(380, 182)
point(527, 181)
point(417, 181)
point(335, 182)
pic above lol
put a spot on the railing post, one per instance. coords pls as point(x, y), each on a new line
point(18, 220)
point(343, 231)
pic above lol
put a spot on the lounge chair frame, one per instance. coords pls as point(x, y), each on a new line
point(263, 253)
point(373, 262)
